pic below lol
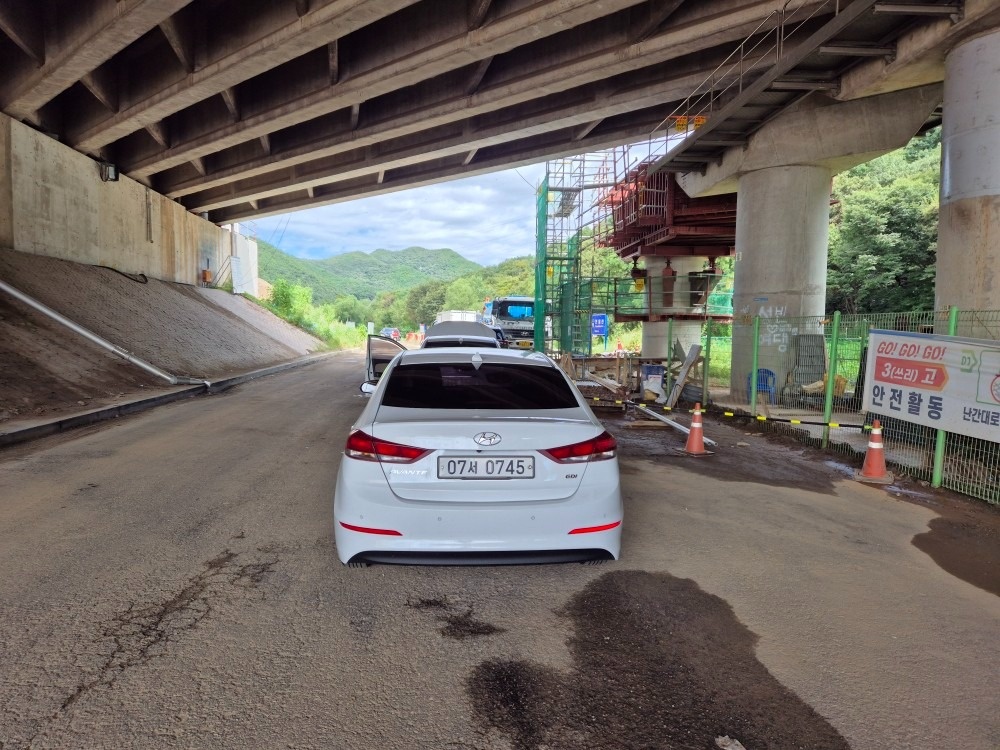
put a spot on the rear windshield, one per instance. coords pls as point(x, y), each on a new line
point(432, 344)
point(493, 386)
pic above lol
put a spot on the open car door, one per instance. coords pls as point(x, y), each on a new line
point(381, 350)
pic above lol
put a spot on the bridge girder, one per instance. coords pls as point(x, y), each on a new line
point(242, 108)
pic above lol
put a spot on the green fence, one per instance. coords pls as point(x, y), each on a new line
point(810, 378)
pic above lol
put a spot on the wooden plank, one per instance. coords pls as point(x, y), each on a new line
point(689, 361)
point(676, 425)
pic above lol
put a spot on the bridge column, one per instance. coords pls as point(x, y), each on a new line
point(6, 185)
point(968, 252)
point(654, 334)
point(782, 229)
point(688, 332)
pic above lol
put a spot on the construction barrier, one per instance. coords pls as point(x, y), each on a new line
point(695, 445)
point(873, 471)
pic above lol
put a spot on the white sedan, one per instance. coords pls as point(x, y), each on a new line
point(477, 456)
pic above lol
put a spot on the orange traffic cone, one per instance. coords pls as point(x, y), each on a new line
point(873, 470)
point(696, 437)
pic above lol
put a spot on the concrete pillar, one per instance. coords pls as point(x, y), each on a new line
point(968, 251)
point(654, 335)
point(782, 231)
point(6, 185)
point(688, 332)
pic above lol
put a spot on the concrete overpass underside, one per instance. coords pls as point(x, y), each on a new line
point(225, 110)
point(242, 108)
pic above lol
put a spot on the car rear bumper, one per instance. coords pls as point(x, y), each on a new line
point(474, 529)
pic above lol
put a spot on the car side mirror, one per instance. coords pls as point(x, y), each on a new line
point(368, 387)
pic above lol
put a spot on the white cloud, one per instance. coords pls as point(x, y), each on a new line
point(487, 219)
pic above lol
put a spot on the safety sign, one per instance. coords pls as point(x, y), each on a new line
point(946, 382)
point(599, 324)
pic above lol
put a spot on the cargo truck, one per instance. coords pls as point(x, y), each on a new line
point(516, 317)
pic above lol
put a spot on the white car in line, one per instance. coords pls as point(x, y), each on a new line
point(476, 456)
point(460, 333)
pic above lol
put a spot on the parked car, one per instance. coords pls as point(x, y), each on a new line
point(502, 339)
point(476, 456)
point(460, 333)
point(388, 332)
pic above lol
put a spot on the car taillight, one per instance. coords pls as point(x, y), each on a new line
point(599, 448)
point(364, 447)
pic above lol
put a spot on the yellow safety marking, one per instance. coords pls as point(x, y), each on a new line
point(834, 424)
point(666, 408)
point(729, 414)
point(795, 421)
point(761, 419)
point(596, 398)
point(617, 402)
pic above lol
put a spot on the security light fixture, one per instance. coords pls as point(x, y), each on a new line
point(109, 172)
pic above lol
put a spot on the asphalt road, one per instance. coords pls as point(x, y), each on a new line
point(169, 581)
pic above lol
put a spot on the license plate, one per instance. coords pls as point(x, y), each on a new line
point(524, 343)
point(481, 467)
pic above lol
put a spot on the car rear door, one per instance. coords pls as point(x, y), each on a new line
point(381, 351)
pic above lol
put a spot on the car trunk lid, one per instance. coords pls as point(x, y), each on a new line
point(453, 438)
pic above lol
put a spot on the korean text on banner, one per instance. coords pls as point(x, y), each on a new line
point(944, 382)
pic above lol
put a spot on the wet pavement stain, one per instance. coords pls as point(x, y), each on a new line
point(967, 547)
point(762, 461)
point(456, 625)
point(658, 663)
point(520, 698)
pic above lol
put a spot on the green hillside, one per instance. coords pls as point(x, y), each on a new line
point(363, 275)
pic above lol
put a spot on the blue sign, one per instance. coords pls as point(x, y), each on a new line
point(599, 324)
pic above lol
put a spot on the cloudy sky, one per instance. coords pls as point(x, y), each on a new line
point(487, 219)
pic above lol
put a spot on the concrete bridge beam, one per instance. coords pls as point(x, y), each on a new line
point(823, 132)
point(968, 252)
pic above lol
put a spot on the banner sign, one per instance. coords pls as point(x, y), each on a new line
point(944, 382)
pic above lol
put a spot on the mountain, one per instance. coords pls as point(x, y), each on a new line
point(362, 274)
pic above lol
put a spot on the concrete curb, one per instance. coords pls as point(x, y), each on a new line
point(105, 413)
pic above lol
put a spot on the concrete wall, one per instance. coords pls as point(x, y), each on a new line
point(53, 202)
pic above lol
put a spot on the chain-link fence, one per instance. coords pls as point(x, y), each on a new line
point(810, 379)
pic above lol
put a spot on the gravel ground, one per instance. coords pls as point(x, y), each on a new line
point(171, 582)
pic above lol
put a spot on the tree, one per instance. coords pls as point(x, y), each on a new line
point(293, 302)
point(883, 233)
point(426, 301)
point(348, 307)
point(599, 262)
point(466, 293)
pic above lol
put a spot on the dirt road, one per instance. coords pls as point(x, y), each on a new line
point(169, 581)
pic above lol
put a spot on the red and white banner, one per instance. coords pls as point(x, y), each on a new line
point(945, 382)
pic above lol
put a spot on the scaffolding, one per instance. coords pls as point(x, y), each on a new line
point(587, 200)
point(566, 214)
